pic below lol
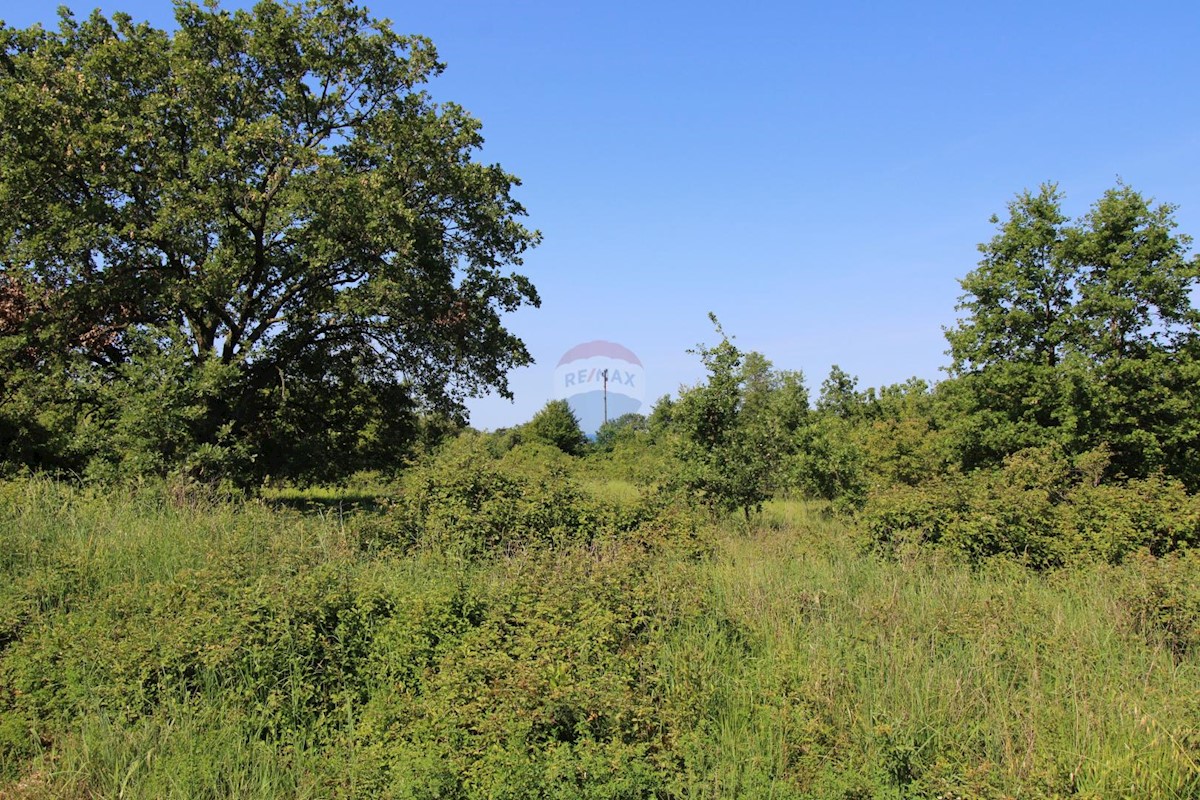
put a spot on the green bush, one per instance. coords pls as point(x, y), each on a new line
point(532, 676)
point(1163, 598)
point(468, 502)
point(556, 425)
point(552, 692)
point(828, 463)
point(1040, 507)
point(234, 649)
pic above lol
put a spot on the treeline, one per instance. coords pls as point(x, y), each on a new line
point(1069, 423)
point(210, 273)
point(1069, 426)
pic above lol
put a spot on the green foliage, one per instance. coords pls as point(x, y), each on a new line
point(1042, 508)
point(550, 693)
point(901, 442)
point(1080, 334)
point(840, 396)
point(639, 459)
point(725, 439)
point(828, 464)
point(556, 425)
point(1019, 299)
point(859, 441)
point(158, 415)
point(1164, 599)
point(532, 674)
point(989, 513)
point(661, 415)
point(625, 428)
point(155, 649)
point(259, 248)
point(465, 501)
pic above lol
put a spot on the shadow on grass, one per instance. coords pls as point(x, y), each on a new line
point(342, 502)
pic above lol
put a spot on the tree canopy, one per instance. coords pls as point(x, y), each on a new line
point(266, 199)
point(1081, 333)
point(557, 426)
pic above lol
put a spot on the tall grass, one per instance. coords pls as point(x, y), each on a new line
point(157, 646)
point(835, 672)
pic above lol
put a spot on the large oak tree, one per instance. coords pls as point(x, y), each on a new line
point(267, 198)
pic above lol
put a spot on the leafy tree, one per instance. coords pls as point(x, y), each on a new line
point(1081, 334)
point(269, 191)
point(1135, 285)
point(1020, 299)
point(828, 462)
point(727, 450)
point(501, 440)
point(557, 426)
point(1020, 327)
point(840, 396)
point(778, 398)
point(661, 417)
point(624, 427)
point(901, 440)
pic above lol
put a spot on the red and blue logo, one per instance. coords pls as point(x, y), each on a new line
point(599, 379)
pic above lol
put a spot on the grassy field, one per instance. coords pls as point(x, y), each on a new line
point(153, 646)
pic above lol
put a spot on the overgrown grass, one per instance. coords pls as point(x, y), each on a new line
point(849, 675)
point(153, 646)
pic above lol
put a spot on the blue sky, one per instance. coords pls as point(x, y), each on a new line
point(818, 175)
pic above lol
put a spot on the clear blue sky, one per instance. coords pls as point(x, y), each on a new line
point(819, 175)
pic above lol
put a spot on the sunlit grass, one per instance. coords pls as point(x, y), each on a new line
point(783, 660)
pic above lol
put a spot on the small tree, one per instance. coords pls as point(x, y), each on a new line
point(556, 425)
point(623, 428)
point(840, 396)
point(828, 463)
point(728, 451)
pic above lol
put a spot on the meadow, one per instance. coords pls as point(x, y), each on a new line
point(251, 548)
point(165, 644)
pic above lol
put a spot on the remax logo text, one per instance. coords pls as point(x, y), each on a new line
point(597, 379)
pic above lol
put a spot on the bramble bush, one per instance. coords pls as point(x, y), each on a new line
point(530, 676)
point(238, 649)
point(466, 500)
point(1041, 507)
point(1163, 598)
point(469, 502)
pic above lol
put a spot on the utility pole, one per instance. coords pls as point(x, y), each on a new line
point(604, 374)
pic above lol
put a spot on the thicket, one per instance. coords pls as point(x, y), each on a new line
point(1066, 432)
point(469, 502)
point(1040, 507)
point(156, 648)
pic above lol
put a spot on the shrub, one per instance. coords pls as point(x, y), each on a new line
point(1163, 598)
point(466, 501)
point(556, 425)
point(828, 464)
point(553, 690)
point(1040, 506)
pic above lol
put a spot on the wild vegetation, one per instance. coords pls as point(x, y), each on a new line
point(250, 548)
point(617, 647)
